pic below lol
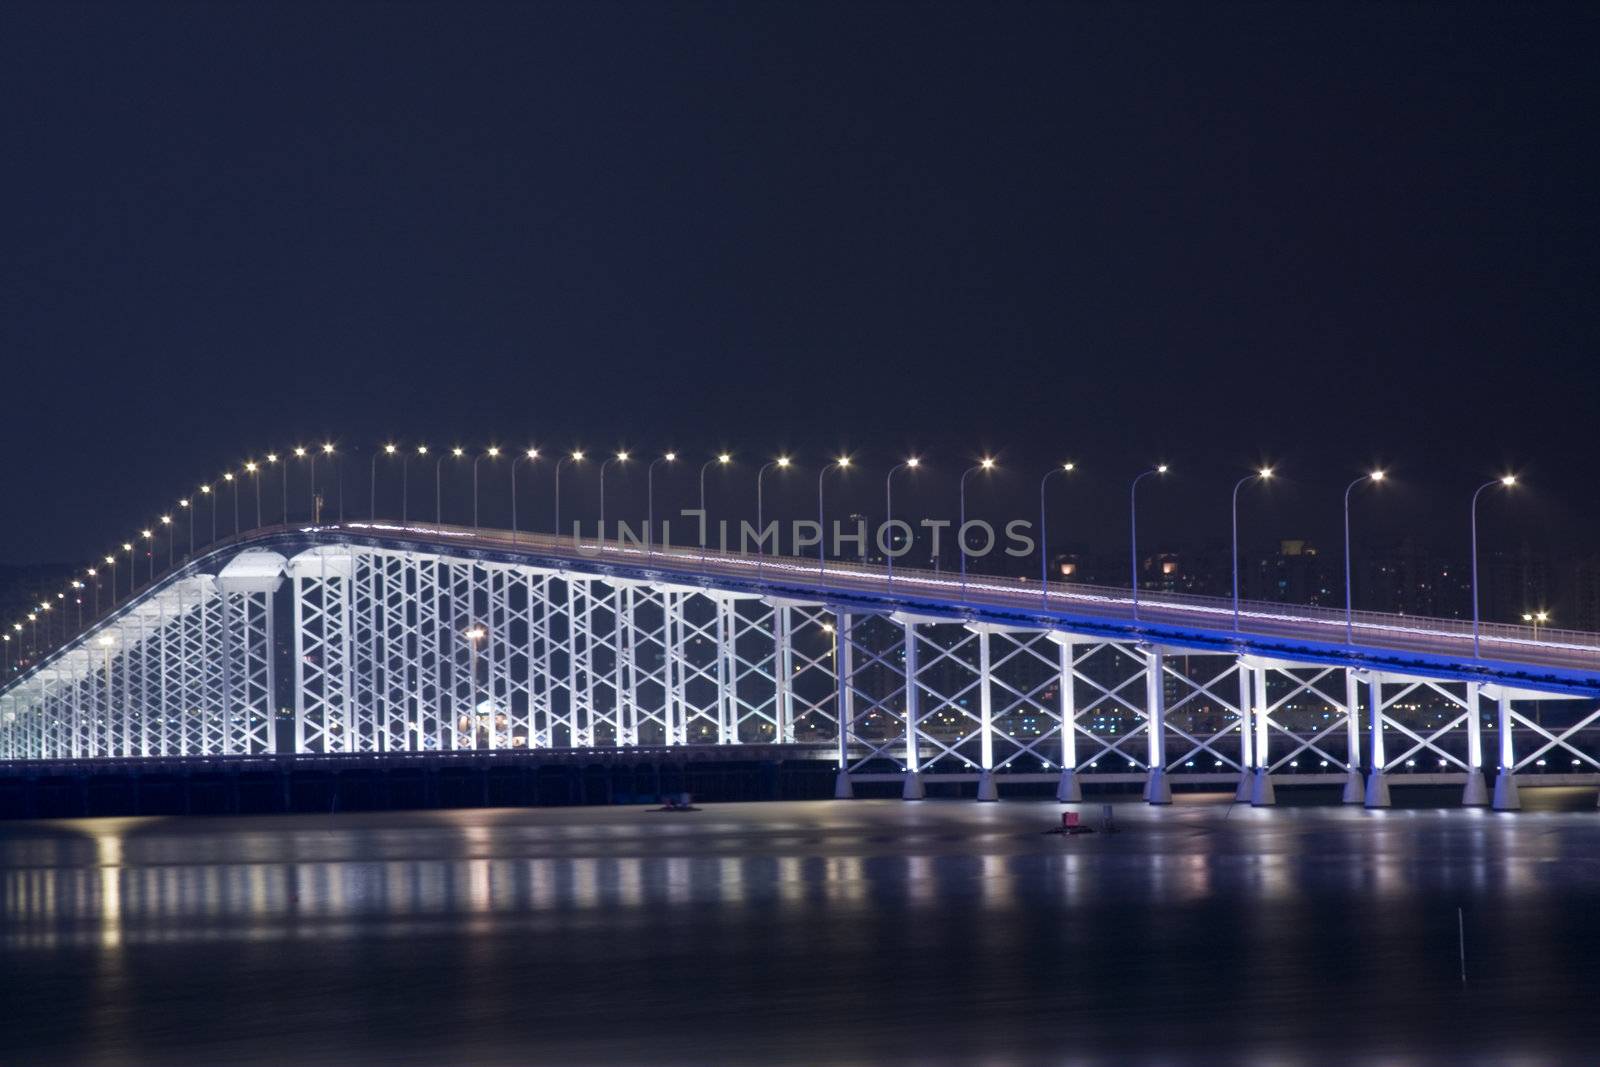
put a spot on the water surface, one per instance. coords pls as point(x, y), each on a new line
point(810, 933)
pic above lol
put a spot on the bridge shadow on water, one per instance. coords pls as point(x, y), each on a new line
point(804, 933)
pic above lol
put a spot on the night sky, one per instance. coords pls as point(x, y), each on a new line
point(1322, 235)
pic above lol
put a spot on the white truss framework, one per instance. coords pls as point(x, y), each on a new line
point(397, 650)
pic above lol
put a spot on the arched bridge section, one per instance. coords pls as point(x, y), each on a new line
point(382, 638)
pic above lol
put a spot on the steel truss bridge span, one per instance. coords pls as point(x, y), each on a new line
point(403, 638)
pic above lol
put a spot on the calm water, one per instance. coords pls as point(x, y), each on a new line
point(811, 933)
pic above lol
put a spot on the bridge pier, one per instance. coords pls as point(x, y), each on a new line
point(1505, 782)
point(842, 789)
point(1157, 790)
point(1262, 794)
point(1247, 730)
point(913, 789)
point(1475, 794)
point(1377, 793)
point(987, 790)
point(1068, 791)
point(1354, 787)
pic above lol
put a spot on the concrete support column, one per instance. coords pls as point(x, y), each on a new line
point(1377, 782)
point(987, 789)
point(1262, 794)
point(1476, 793)
point(1354, 787)
point(783, 618)
point(912, 788)
point(1068, 790)
point(845, 706)
point(1247, 734)
point(1505, 782)
point(1157, 790)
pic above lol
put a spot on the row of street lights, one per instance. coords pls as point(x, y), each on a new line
point(840, 463)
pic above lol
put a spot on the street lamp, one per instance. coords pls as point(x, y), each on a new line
point(1264, 474)
point(438, 485)
point(782, 463)
point(843, 463)
point(986, 464)
point(150, 550)
point(1538, 618)
point(576, 457)
point(531, 454)
point(620, 457)
point(283, 485)
point(650, 499)
point(723, 459)
point(1507, 481)
point(1376, 478)
point(405, 483)
point(1133, 532)
point(228, 477)
point(493, 452)
point(111, 561)
point(166, 520)
point(338, 477)
point(372, 480)
point(205, 491)
point(910, 464)
point(253, 470)
point(189, 510)
point(95, 590)
point(127, 546)
point(1044, 540)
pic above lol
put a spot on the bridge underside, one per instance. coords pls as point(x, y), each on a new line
point(340, 646)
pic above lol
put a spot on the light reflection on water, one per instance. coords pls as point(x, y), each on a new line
point(818, 933)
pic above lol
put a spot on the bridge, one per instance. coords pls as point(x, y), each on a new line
point(412, 637)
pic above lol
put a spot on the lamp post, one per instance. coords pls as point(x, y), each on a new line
point(1044, 540)
point(1133, 532)
point(372, 480)
point(782, 463)
point(530, 455)
point(94, 590)
point(620, 457)
point(1264, 473)
point(283, 486)
point(723, 459)
point(188, 509)
point(1538, 618)
point(910, 464)
point(438, 486)
point(77, 597)
point(166, 520)
point(150, 550)
point(205, 491)
point(843, 463)
point(338, 477)
point(985, 464)
point(1508, 481)
point(650, 499)
point(405, 483)
point(127, 546)
point(576, 457)
point(111, 561)
point(231, 480)
point(1376, 478)
point(253, 469)
point(493, 452)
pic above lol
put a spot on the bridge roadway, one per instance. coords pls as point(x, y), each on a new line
point(1549, 660)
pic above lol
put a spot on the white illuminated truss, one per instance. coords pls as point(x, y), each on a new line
point(431, 640)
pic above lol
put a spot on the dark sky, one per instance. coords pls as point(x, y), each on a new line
point(1205, 233)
